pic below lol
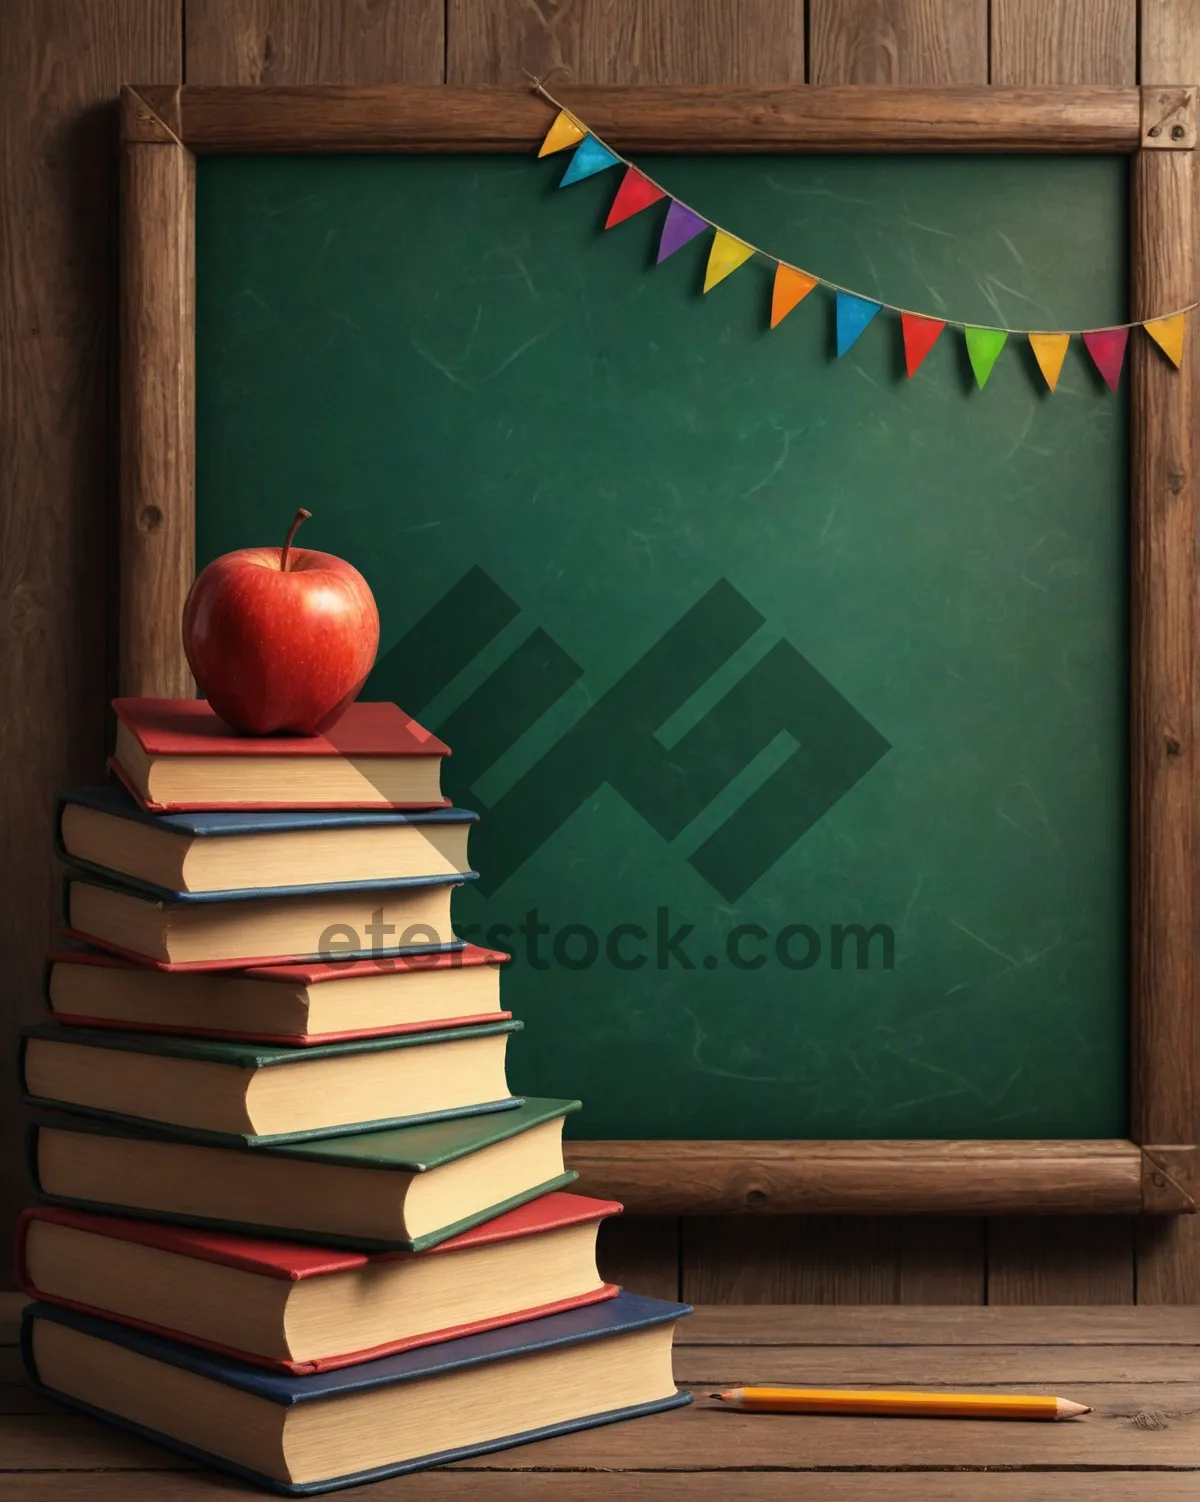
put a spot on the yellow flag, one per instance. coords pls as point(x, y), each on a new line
point(563, 133)
point(1050, 350)
point(726, 255)
point(1167, 333)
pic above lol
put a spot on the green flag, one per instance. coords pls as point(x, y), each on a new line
point(983, 345)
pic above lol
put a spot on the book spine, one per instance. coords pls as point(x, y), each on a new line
point(60, 849)
point(20, 1265)
point(22, 1043)
point(31, 1156)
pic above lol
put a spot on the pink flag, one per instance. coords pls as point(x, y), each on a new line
point(1107, 349)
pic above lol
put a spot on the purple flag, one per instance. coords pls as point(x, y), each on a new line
point(680, 226)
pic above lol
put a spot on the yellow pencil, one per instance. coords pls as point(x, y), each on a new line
point(930, 1405)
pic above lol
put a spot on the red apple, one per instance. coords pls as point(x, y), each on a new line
point(280, 639)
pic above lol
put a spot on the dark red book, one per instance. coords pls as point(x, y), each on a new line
point(305, 1309)
point(175, 754)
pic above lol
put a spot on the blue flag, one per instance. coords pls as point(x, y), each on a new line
point(853, 315)
point(590, 157)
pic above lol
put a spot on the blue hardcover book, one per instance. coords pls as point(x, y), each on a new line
point(315, 1433)
point(219, 1090)
point(193, 857)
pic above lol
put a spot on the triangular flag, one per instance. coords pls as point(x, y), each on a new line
point(635, 194)
point(791, 286)
point(853, 315)
point(680, 226)
point(563, 133)
point(1167, 333)
point(590, 157)
point(726, 255)
point(920, 335)
point(983, 345)
point(1107, 349)
point(1050, 350)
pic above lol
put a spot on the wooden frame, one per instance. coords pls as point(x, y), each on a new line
point(1155, 1171)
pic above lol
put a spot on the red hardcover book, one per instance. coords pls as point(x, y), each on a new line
point(294, 1004)
point(306, 1309)
point(175, 754)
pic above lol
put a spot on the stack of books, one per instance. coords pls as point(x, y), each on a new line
point(294, 1223)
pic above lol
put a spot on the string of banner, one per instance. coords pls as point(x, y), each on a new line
point(853, 311)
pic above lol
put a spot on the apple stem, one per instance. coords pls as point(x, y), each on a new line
point(301, 516)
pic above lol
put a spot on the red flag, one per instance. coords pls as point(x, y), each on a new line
point(635, 194)
point(1107, 349)
point(920, 335)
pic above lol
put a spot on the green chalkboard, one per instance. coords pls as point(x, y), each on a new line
point(792, 691)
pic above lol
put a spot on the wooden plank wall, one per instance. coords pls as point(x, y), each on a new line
point(59, 71)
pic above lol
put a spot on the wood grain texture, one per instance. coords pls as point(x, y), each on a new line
point(703, 1437)
point(60, 67)
point(677, 1441)
point(144, 120)
point(1163, 520)
point(453, 1485)
point(1168, 1260)
point(898, 41)
point(1170, 1180)
point(1051, 1367)
point(1064, 41)
point(716, 118)
point(625, 41)
point(1136, 1366)
point(157, 405)
point(1063, 1261)
point(832, 1260)
point(1168, 1251)
point(1111, 1331)
point(641, 1253)
point(313, 41)
point(1169, 42)
point(871, 1178)
point(997, 1328)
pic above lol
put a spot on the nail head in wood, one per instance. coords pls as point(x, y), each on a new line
point(1168, 118)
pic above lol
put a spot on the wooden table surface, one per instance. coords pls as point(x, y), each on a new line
point(1138, 1367)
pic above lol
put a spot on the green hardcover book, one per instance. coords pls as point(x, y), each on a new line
point(229, 1091)
point(406, 1189)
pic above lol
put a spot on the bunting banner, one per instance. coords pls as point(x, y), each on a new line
point(853, 311)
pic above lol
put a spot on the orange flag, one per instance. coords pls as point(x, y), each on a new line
point(1050, 350)
point(791, 287)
